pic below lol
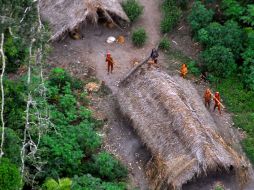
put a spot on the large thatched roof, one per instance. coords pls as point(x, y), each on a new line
point(171, 120)
point(65, 15)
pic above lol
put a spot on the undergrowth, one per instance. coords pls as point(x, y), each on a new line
point(239, 101)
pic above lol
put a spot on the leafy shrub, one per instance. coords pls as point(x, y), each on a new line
point(193, 68)
point(199, 17)
point(65, 150)
point(15, 53)
point(9, 175)
point(238, 101)
point(11, 146)
point(233, 37)
point(88, 182)
point(133, 9)
point(61, 184)
point(249, 17)
point(249, 37)
point(219, 61)
point(59, 78)
point(171, 15)
point(248, 68)
point(230, 35)
point(164, 44)
point(14, 104)
point(108, 167)
point(232, 9)
point(139, 37)
point(211, 35)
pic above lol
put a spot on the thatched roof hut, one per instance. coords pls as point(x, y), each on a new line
point(65, 15)
point(170, 118)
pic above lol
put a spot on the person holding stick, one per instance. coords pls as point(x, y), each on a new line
point(217, 102)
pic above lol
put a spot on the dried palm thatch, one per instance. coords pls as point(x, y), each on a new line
point(65, 15)
point(169, 116)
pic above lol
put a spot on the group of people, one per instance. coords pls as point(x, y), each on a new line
point(183, 72)
point(216, 97)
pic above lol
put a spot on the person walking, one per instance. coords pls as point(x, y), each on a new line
point(217, 102)
point(207, 97)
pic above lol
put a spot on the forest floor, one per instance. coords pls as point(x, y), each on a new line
point(83, 57)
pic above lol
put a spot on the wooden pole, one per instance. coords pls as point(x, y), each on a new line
point(217, 100)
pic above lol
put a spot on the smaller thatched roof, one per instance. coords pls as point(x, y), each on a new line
point(65, 15)
point(171, 119)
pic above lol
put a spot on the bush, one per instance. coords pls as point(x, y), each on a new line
point(230, 35)
point(219, 60)
point(199, 16)
point(15, 53)
point(249, 17)
point(61, 184)
point(248, 68)
point(249, 37)
point(164, 44)
point(59, 78)
point(108, 167)
point(88, 182)
point(211, 35)
point(133, 9)
point(232, 9)
point(10, 178)
point(11, 146)
point(193, 68)
point(171, 15)
point(139, 37)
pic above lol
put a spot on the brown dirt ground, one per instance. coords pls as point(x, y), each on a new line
point(87, 56)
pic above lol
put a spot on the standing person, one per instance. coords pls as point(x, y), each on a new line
point(184, 70)
point(217, 103)
point(154, 55)
point(207, 96)
point(110, 63)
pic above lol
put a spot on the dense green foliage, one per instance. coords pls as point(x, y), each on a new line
point(133, 9)
point(164, 44)
point(232, 9)
point(171, 15)
point(139, 37)
point(88, 182)
point(108, 167)
point(240, 102)
point(9, 176)
point(61, 184)
point(230, 35)
point(199, 17)
point(219, 61)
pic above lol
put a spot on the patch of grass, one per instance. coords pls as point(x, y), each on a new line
point(240, 102)
point(164, 44)
point(139, 37)
point(133, 9)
